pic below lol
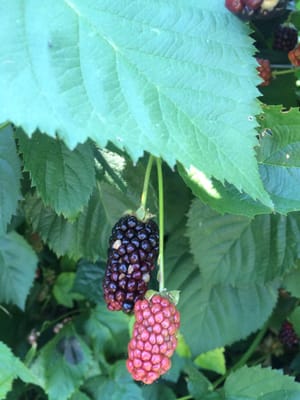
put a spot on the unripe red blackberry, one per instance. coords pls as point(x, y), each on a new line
point(256, 9)
point(264, 71)
point(285, 38)
point(234, 6)
point(154, 338)
point(287, 335)
point(294, 56)
point(132, 253)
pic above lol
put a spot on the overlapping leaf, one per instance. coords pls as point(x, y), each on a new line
point(279, 156)
point(140, 74)
point(62, 364)
point(205, 305)
point(10, 175)
point(65, 179)
point(88, 235)
point(18, 263)
point(11, 368)
point(237, 250)
point(266, 384)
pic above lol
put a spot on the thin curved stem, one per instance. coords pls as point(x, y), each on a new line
point(146, 182)
point(161, 224)
point(242, 361)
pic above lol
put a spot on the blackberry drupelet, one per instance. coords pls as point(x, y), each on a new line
point(285, 38)
point(132, 253)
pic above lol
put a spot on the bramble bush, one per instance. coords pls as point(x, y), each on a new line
point(183, 110)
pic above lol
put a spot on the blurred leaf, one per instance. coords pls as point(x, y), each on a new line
point(294, 318)
point(237, 250)
point(205, 306)
point(182, 348)
point(79, 396)
point(213, 360)
point(279, 157)
point(157, 391)
point(88, 235)
point(64, 179)
point(10, 175)
point(116, 386)
point(18, 263)
point(260, 384)
point(10, 368)
point(63, 289)
point(88, 280)
point(108, 331)
point(291, 281)
point(198, 384)
point(63, 363)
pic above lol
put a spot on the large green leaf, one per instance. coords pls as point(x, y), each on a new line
point(140, 74)
point(10, 368)
point(205, 307)
point(265, 384)
point(9, 177)
point(237, 250)
point(18, 263)
point(64, 179)
point(279, 156)
point(63, 364)
point(88, 235)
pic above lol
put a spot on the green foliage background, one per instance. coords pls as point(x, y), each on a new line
point(88, 90)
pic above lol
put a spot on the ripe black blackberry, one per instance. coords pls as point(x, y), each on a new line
point(132, 253)
point(287, 335)
point(285, 38)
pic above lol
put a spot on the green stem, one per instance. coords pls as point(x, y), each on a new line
point(4, 124)
point(242, 361)
point(161, 225)
point(188, 397)
point(146, 183)
point(292, 70)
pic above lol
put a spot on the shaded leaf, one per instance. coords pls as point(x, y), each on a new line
point(62, 289)
point(148, 85)
point(10, 175)
point(279, 157)
point(291, 282)
point(63, 364)
point(10, 368)
point(88, 280)
point(237, 250)
point(205, 305)
point(88, 235)
point(18, 263)
point(117, 385)
point(64, 179)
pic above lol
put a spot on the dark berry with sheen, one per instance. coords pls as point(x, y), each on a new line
point(285, 38)
point(132, 253)
point(154, 338)
point(287, 335)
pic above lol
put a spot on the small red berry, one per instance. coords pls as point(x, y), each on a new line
point(234, 6)
point(294, 56)
point(154, 338)
point(264, 71)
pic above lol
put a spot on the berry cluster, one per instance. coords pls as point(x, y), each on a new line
point(264, 71)
point(256, 9)
point(294, 56)
point(285, 38)
point(154, 338)
point(287, 335)
point(133, 250)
